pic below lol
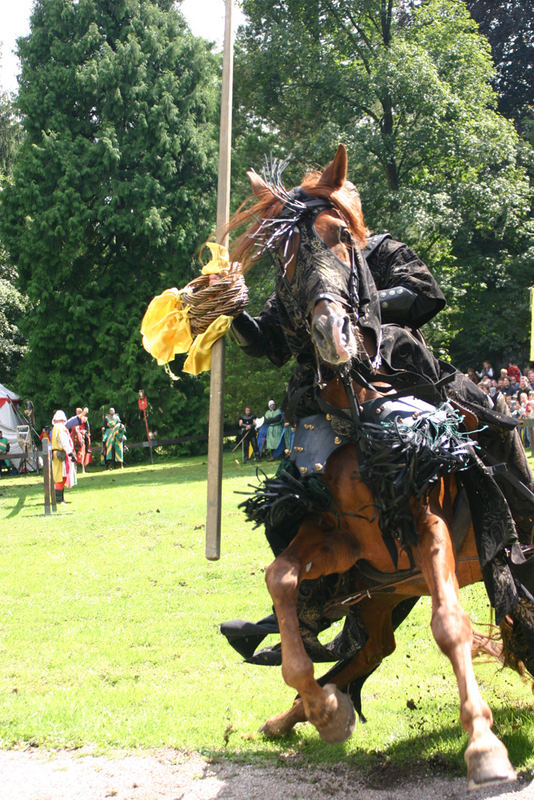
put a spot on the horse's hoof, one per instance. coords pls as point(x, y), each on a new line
point(275, 727)
point(340, 718)
point(282, 724)
point(488, 766)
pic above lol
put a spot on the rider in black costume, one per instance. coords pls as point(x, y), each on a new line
point(408, 296)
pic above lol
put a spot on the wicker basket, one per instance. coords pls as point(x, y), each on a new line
point(228, 295)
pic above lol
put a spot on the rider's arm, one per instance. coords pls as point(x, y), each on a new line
point(262, 335)
point(408, 292)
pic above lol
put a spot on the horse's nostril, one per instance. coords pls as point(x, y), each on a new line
point(345, 330)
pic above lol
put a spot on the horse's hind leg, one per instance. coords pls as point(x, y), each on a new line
point(312, 553)
point(486, 757)
point(282, 724)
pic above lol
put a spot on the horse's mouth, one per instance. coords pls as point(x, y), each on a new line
point(334, 339)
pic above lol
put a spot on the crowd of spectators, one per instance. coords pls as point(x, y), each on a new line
point(517, 388)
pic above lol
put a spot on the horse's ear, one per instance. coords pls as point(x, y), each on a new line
point(259, 187)
point(335, 173)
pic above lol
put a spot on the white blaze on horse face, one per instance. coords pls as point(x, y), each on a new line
point(332, 333)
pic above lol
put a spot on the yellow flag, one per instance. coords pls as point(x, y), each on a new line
point(166, 328)
point(219, 259)
point(199, 358)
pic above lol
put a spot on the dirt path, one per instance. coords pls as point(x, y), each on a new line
point(167, 775)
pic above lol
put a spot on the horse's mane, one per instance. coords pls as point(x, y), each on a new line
point(267, 207)
point(255, 209)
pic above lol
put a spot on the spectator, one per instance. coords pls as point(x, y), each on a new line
point(471, 374)
point(63, 458)
point(486, 371)
point(514, 373)
point(506, 387)
point(484, 385)
point(274, 419)
point(529, 413)
point(514, 407)
point(81, 438)
point(5, 463)
point(524, 384)
point(247, 429)
point(46, 433)
point(514, 370)
point(113, 438)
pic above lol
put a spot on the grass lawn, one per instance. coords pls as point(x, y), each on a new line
point(109, 634)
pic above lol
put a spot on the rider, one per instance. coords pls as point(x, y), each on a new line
point(409, 296)
point(402, 294)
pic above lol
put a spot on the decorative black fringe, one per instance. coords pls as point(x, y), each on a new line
point(285, 499)
point(400, 460)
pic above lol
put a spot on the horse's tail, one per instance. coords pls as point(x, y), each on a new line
point(488, 644)
point(516, 650)
point(506, 645)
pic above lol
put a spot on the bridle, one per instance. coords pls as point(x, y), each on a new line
point(276, 237)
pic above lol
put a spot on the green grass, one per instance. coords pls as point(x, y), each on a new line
point(109, 634)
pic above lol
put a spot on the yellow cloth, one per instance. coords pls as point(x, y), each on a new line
point(166, 328)
point(219, 259)
point(199, 358)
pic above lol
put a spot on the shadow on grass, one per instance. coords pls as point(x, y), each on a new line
point(18, 507)
point(439, 752)
point(28, 490)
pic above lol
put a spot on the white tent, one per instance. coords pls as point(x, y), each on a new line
point(9, 419)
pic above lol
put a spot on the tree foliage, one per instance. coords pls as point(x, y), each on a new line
point(509, 27)
point(112, 193)
point(408, 89)
point(10, 134)
point(13, 304)
point(250, 381)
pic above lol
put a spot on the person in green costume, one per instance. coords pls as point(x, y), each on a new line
point(113, 438)
point(5, 463)
point(274, 419)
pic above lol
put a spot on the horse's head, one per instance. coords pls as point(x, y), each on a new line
point(314, 228)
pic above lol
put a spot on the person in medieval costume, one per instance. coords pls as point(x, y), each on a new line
point(63, 458)
point(81, 437)
point(5, 463)
point(113, 439)
point(398, 294)
point(274, 420)
point(247, 431)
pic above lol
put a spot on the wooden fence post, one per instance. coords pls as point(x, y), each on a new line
point(51, 473)
point(48, 478)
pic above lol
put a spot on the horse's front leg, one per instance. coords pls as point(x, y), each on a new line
point(312, 553)
point(375, 615)
point(486, 757)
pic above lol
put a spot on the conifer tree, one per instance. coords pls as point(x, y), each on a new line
point(113, 192)
point(13, 304)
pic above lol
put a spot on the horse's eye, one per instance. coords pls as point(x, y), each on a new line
point(344, 235)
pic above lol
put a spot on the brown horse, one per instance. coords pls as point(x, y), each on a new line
point(349, 537)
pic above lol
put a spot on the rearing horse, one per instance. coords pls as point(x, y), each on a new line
point(325, 307)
